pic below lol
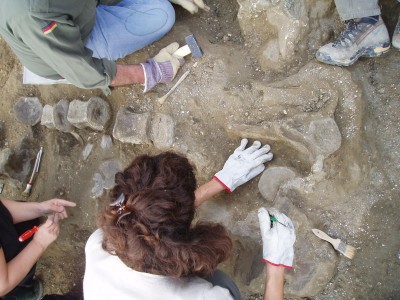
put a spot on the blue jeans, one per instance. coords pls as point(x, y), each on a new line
point(130, 25)
point(353, 9)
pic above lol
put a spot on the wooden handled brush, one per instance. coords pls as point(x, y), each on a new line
point(346, 250)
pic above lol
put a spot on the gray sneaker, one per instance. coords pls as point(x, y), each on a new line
point(396, 36)
point(358, 39)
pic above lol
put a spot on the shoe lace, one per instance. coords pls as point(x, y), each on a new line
point(347, 37)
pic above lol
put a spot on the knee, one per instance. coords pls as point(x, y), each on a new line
point(168, 10)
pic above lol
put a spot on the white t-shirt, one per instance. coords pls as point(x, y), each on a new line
point(108, 278)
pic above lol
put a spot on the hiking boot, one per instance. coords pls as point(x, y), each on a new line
point(34, 292)
point(396, 36)
point(358, 39)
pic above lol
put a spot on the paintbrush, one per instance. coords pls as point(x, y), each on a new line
point(346, 250)
point(35, 170)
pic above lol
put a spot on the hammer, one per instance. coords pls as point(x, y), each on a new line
point(192, 46)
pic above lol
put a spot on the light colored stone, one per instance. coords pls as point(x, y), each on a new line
point(109, 169)
point(94, 113)
point(86, 151)
point(5, 155)
point(295, 25)
point(131, 127)
point(272, 179)
point(106, 142)
point(28, 110)
point(60, 112)
point(324, 134)
point(48, 117)
point(98, 185)
point(162, 131)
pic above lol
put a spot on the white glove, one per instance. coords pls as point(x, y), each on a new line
point(191, 5)
point(243, 165)
point(277, 241)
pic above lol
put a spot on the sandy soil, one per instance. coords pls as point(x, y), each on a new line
point(373, 274)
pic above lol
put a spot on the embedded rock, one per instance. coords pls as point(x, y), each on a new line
point(271, 180)
point(282, 33)
point(48, 117)
point(131, 127)
point(60, 112)
point(28, 110)
point(94, 113)
point(109, 169)
point(162, 132)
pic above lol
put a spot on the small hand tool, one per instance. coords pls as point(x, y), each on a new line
point(346, 250)
point(35, 170)
point(272, 218)
point(191, 47)
point(27, 234)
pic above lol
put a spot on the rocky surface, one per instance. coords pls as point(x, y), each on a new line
point(333, 132)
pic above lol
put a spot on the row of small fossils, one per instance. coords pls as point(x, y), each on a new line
point(64, 116)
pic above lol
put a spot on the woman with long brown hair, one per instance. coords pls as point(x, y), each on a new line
point(146, 246)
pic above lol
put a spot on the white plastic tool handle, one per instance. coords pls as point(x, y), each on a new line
point(182, 51)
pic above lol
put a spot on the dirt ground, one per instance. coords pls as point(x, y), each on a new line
point(372, 274)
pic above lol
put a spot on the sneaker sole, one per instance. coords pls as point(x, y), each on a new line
point(368, 52)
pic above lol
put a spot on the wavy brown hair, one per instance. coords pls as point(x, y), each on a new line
point(158, 236)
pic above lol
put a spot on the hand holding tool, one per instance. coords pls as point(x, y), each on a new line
point(278, 240)
point(28, 188)
point(346, 250)
point(244, 164)
point(272, 218)
point(27, 234)
point(192, 46)
point(162, 68)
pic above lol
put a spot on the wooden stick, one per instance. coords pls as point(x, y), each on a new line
point(163, 98)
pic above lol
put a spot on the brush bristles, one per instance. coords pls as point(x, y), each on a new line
point(346, 250)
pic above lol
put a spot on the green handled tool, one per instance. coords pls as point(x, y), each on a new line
point(273, 219)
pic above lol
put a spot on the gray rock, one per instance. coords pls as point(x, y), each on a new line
point(48, 117)
point(272, 179)
point(2, 134)
point(86, 152)
point(97, 189)
point(109, 169)
point(5, 155)
point(131, 127)
point(28, 110)
point(60, 116)
point(106, 142)
point(162, 131)
point(324, 134)
point(315, 260)
point(93, 114)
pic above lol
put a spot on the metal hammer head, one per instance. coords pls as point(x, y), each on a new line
point(194, 46)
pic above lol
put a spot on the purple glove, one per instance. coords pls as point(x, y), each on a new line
point(162, 68)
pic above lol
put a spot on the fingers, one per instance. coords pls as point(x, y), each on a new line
point(256, 145)
point(263, 158)
point(263, 219)
point(242, 146)
point(171, 48)
point(255, 171)
point(62, 202)
point(188, 5)
point(201, 4)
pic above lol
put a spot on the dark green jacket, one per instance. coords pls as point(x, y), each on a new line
point(49, 37)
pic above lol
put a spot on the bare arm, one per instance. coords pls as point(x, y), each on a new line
point(24, 211)
point(128, 74)
point(14, 271)
point(274, 282)
point(207, 190)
